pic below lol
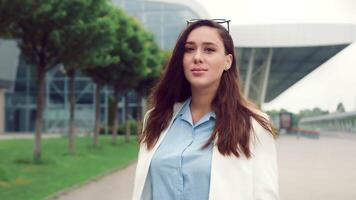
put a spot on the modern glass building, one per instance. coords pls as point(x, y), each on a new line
point(271, 58)
point(165, 20)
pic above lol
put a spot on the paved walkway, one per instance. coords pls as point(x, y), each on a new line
point(317, 169)
point(115, 186)
point(10, 136)
point(310, 169)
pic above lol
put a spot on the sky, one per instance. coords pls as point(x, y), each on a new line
point(329, 84)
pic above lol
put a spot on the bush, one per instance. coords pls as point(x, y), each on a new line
point(133, 128)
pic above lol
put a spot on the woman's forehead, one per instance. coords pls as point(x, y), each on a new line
point(204, 35)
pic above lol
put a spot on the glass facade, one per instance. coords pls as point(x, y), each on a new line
point(165, 20)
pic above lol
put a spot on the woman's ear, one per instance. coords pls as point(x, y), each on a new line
point(228, 61)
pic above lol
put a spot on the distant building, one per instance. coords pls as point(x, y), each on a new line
point(18, 88)
point(271, 58)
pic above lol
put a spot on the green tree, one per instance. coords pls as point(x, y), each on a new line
point(99, 76)
point(7, 17)
point(40, 28)
point(273, 113)
point(312, 112)
point(156, 59)
point(120, 74)
point(91, 37)
point(131, 67)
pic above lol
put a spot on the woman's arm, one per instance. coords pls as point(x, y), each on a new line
point(140, 177)
point(265, 167)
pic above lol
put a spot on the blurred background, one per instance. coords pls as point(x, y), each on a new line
point(75, 76)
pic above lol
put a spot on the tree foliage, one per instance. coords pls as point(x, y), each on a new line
point(87, 44)
point(140, 57)
point(47, 32)
point(298, 116)
point(90, 35)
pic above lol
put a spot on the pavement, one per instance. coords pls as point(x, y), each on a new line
point(317, 169)
point(10, 136)
point(309, 169)
point(114, 186)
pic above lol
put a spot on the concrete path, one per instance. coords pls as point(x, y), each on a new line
point(115, 186)
point(309, 169)
point(317, 169)
point(11, 136)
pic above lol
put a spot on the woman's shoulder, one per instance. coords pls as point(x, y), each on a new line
point(176, 107)
point(260, 133)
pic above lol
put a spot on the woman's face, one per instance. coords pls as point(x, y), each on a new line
point(204, 58)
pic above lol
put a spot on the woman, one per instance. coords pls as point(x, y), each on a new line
point(203, 139)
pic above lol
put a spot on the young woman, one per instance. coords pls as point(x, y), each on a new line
point(202, 139)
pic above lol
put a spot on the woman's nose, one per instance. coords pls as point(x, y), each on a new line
point(198, 57)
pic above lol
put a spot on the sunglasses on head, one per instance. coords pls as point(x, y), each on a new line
point(219, 21)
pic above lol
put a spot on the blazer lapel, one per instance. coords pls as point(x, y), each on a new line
point(146, 155)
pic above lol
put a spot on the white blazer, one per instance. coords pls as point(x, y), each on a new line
point(231, 178)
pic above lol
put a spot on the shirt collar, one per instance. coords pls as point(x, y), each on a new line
point(185, 111)
point(186, 114)
point(212, 114)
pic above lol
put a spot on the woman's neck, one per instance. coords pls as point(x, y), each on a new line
point(201, 103)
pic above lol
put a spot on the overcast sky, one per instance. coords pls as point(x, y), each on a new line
point(325, 87)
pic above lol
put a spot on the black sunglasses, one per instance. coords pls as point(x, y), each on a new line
point(219, 21)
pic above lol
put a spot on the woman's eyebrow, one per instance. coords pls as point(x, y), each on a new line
point(209, 43)
point(192, 43)
point(204, 43)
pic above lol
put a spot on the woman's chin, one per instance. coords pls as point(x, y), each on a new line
point(201, 84)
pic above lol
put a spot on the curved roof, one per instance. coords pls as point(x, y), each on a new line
point(289, 64)
point(293, 35)
point(301, 43)
point(298, 48)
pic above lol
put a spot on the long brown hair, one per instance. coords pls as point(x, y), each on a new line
point(233, 111)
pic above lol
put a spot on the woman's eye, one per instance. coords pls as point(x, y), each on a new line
point(188, 49)
point(210, 50)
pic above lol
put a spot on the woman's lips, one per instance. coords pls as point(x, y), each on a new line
point(198, 71)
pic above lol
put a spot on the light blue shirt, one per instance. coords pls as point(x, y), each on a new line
point(180, 168)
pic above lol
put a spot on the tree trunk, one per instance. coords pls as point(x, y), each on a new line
point(97, 115)
point(115, 118)
point(127, 125)
point(139, 114)
point(41, 72)
point(71, 134)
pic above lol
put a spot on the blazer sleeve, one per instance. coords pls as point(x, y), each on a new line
point(139, 181)
point(265, 167)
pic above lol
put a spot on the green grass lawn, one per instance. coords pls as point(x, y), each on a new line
point(21, 179)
